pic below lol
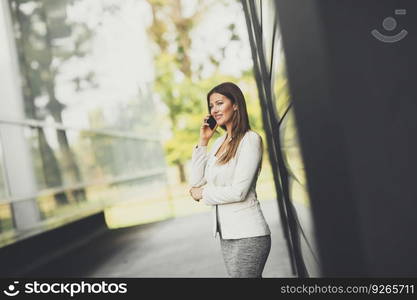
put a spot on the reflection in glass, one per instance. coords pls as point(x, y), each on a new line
point(128, 202)
point(268, 20)
point(87, 78)
point(3, 192)
point(291, 151)
point(109, 168)
point(113, 157)
point(75, 73)
point(50, 160)
point(270, 73)
point(288, 133)
point(142, 201)
point(6, 218)
point(89, 157)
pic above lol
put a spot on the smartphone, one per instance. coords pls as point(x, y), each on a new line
point(212, 122)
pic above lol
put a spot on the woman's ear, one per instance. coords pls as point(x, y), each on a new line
point(234, 106)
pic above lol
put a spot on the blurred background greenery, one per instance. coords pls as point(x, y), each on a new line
point(185, 73)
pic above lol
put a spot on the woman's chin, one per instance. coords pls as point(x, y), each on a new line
point(221, 122)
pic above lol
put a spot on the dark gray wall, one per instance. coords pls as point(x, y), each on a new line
point(355, 100)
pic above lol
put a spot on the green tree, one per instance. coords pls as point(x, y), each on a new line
point(179, 84)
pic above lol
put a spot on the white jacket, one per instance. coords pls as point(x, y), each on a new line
point(231, 187)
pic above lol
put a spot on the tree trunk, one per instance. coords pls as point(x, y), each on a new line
point(181, 172)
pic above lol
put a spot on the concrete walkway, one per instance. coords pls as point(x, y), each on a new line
point(181, 247)
point(184, 247)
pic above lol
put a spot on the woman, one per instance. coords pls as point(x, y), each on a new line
point(225, 178)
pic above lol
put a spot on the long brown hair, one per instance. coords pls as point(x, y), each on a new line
point(240, 119)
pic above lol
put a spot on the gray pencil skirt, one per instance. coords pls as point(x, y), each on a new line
point(246, 258)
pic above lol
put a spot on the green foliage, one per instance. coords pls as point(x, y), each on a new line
point(182, 88)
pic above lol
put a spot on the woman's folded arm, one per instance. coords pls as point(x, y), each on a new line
point(198, 164)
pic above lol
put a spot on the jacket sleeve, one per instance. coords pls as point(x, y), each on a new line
point(246, 169)
point(198, 165)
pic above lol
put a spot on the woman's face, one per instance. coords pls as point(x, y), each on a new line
point(221, 108)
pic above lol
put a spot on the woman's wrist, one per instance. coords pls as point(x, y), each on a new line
point(202, 142)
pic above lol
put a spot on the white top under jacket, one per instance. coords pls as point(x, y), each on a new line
point(231, 187)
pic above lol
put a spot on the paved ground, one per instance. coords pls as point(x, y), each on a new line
point(181, 247)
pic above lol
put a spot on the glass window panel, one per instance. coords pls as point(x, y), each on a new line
point(116, 156)
point(280, 84)
point(6, 217)
point(80, 173)
point(268, 19)
point(288, 130)
point(52, 204)
point(63, 158)
point(293, 160)
point(143, 200)
point(74, 73)
point(53, 160)
point(3, 188)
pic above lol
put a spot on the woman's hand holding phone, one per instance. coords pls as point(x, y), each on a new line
point(206, 132)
